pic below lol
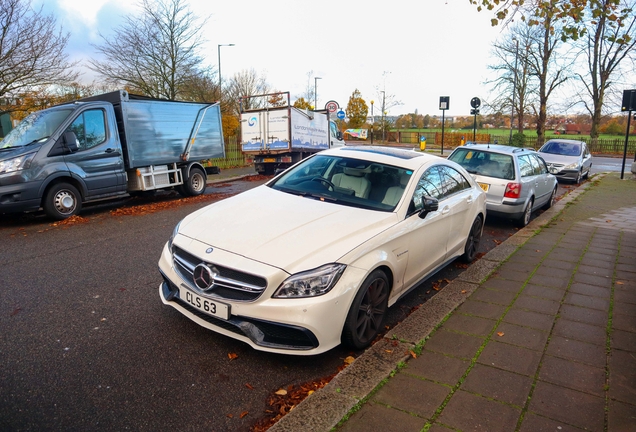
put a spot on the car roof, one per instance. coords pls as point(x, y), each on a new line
point(498, 148)
point(565, 141)
point(406, 158)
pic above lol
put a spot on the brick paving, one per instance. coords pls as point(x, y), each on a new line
point(547, 342)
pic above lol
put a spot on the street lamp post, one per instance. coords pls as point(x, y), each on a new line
point(219, 52)
point(372, 123)
point(316, 92)
point(514, 89)
point(383, 99)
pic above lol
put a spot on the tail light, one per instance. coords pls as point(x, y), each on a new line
point(513, 190)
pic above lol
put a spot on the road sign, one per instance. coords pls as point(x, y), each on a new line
point(332, 106)
point(341, 115)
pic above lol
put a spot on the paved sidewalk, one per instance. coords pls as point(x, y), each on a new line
point(539, 334)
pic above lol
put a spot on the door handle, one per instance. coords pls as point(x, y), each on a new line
point(111, 150)
point(446, 210)
point(469, 200)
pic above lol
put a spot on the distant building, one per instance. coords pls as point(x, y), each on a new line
point(573, 129)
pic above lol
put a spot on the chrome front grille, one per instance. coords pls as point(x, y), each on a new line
point(229, 284)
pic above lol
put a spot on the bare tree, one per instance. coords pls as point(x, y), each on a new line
point(32, 53)
point(514, 84)
point(607, 45)
point(156, 53)
point(550, 67)
point(244, 84)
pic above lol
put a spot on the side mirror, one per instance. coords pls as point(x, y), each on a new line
point(429, 204)
point(339, 135)
point(70, 141)
point(65, 144)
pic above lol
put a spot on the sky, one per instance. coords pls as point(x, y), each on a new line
point(414, 50)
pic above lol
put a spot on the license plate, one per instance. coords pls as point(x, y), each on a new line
point(269, 160)
point(484, 186)
point(205, 305)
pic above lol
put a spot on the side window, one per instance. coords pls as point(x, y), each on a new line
point(525, 166)
point(536, 168)
point(90, 128)
point(332, 128)
point(453, 180)
point(542, 168)
point(431, 184)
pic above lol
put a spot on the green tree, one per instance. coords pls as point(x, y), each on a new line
point(357, 110)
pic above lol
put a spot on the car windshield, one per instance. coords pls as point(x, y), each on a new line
point(561, 148)
point(346, 181)
point(485, 163)
point(35, 128)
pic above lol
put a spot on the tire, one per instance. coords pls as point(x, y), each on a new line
point(552, 199)
point(196, 182)
point(365, 319)
point(579, 176)
point(526, 215)
point(472, 242)
point(62, 201)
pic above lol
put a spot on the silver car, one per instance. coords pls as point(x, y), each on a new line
point(567, 159)
point(516, 180)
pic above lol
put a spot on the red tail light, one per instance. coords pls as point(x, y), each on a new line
point(513, 190)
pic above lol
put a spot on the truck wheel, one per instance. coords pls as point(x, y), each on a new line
point(195, 184)
point(62, 201)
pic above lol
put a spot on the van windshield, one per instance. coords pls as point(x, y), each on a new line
point(37, 127)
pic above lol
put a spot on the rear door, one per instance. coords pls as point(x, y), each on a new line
point(98, 160)
point(543, 184)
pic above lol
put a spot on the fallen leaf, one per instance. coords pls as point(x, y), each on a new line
point(230, 415)
point(281, 392)
point(243, 414)
point(463, 291)
point(388, 351)
point(500, 334)
point(310, 392)
point(16, 311)
point(349, 360)
point(413, 354)
point(232, 356)
point(619, 283)
point(537, 250)
point(608, 221)
point(249, 386)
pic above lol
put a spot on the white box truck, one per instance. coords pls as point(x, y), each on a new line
point(277, 137)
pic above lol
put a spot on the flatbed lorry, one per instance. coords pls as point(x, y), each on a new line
point(276, 137)
point(107, 146)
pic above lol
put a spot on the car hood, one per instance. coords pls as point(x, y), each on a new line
point(284, 230)
point(559, 159)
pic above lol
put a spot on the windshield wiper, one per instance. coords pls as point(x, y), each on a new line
point(35, 141)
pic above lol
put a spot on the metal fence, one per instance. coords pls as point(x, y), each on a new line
point(234, 157)
point(454, 139)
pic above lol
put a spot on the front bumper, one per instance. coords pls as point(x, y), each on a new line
point(302, 326)
point(19, 197)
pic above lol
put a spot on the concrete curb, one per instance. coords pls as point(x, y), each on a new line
point(324, 409)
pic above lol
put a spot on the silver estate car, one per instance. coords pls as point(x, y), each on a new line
point(567, 159)
point(516, 180)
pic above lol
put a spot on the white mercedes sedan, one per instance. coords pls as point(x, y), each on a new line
point(317, 255)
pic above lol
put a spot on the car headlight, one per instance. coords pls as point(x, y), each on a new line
point(175, 231)
point(572, 166)
point(16, 163)
point(311, 283)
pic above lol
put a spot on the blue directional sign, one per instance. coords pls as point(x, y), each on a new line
point(341, 115)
